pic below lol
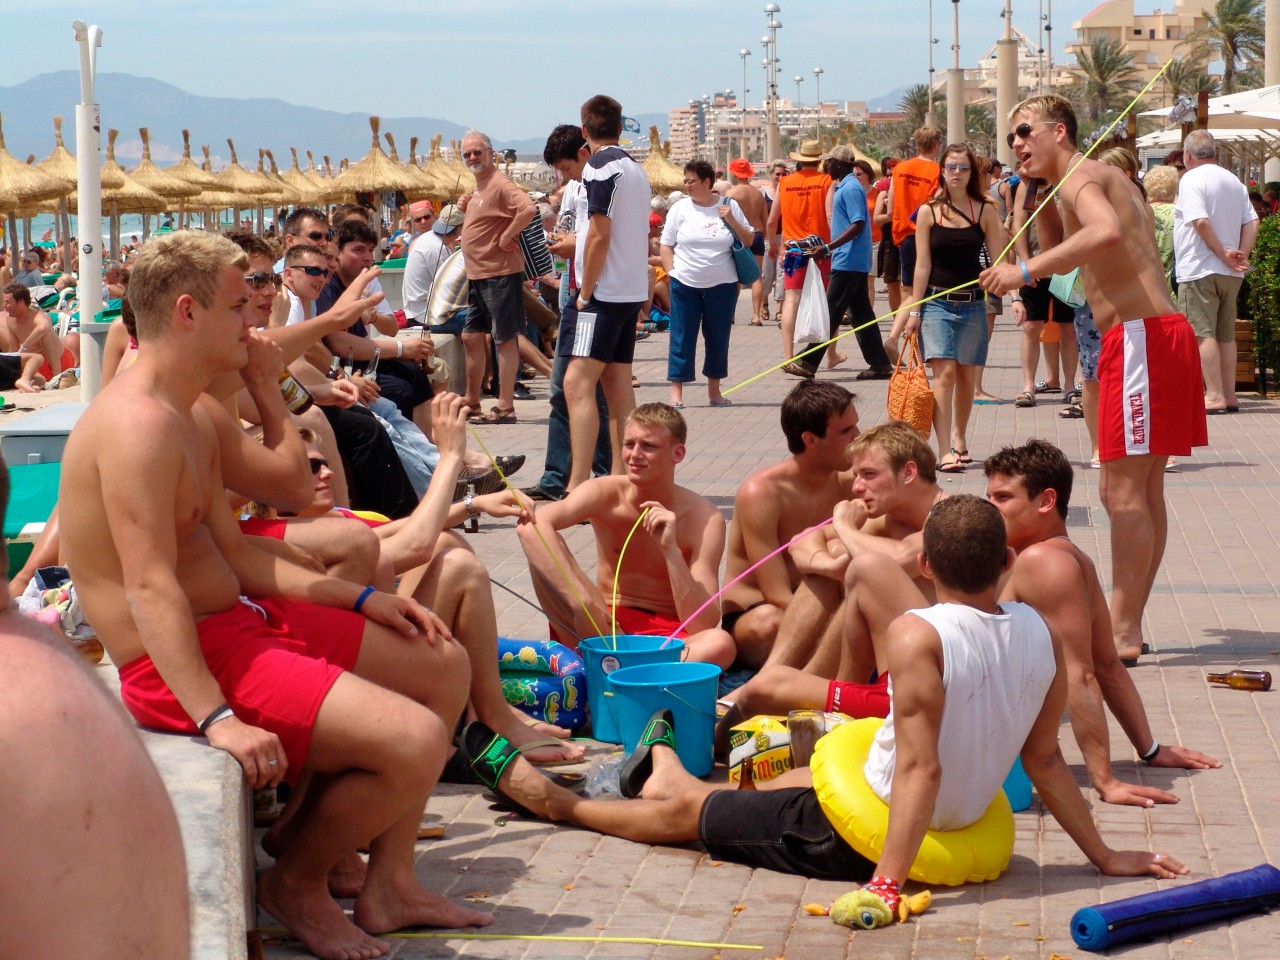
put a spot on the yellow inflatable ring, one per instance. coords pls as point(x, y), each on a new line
point(972, 854)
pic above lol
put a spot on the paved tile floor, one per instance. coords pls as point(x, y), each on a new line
point(1215, 606)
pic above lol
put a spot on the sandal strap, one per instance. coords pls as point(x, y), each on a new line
point(496, 757)
point(658, 731)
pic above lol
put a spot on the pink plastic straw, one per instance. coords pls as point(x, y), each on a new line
point(716, 596)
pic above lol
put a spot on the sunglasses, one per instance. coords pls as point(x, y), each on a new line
point(1023, 130)
point(262, 280)
point(472, 153)
point(424, 218)
point(314, 271)
point(315, 236)
point(689, 183)
point(956, 167)
point(317, 463)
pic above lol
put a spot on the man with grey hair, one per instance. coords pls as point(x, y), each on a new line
point(496, 211)
point(1214, 227)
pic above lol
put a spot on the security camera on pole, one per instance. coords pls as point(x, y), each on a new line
point(89, 213)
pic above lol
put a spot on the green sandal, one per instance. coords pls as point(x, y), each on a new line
point(639, 766)
point(488, 754)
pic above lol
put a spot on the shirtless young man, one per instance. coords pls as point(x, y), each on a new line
point(671, 567)
point(968, 671)
point(1146, 414)
point(1031, 486)
point(28, 330)
point(869, 546)
point(751, 200)
point(161, 566)
point(778, 611)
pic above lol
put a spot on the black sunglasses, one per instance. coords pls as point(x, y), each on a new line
point(317, 235)
point(316, 464)
point(262, 279)
point(1023, 130)
point(314, 271)
point(423, 218)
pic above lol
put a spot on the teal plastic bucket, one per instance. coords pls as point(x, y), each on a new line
point(604, 655)
point(688, 690)
point(1017, 787)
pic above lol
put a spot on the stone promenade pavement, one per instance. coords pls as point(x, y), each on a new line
point(1215, 606)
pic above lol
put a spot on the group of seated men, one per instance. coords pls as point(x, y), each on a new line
point(340, 654)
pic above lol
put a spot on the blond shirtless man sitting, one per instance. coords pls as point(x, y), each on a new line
point(778, 612)
point(29, 330)
point(1146, 413)
point(376, 682)
point(671, 567)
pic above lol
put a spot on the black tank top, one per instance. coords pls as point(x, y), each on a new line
point(955, 251)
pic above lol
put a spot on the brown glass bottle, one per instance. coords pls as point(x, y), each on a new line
point(1242, 679)
point(296, 397)
point(747, 781)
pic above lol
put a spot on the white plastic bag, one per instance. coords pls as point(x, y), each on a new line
point(813, 321)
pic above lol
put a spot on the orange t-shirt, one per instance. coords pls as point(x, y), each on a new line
point(914, 182)
point(803, 196)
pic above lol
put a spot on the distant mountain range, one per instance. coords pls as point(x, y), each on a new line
point(130, 102)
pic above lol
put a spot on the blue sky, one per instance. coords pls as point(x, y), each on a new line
point(512, 68)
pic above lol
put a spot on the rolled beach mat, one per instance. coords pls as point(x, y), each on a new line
point(1168, 911)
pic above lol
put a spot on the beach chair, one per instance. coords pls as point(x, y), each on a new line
point(33, 492)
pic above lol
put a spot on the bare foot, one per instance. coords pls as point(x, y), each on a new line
point(835, 361)
point(34, 385)
point(543, 728)
point(519, 733)
point(316, 920)
point(405, 904)
point(668, 777)
point(346, 879)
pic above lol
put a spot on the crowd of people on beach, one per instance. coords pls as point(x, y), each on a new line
point(260, 509)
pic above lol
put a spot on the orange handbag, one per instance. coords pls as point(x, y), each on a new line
point(910, 397)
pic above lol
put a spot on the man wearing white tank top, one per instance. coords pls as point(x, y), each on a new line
point(975, 683)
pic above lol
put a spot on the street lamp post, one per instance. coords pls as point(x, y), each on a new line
point(928, 115)
point(955, 82)
point(798, 80)
point(744, 53)
point(771, 91)
point(817, 95)
point(89, 218)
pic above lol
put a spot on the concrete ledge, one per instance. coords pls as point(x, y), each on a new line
point(215, 814)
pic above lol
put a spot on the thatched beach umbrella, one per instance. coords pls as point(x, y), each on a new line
point(316, 176)
point(373, 173)
point(175, 190)
point(447, 179)
point(236, 179)
point(186, 169)
point(27, 184)
point(61, 163)
point(434, 190)
point(129, 197)
point(213, 198)
point(307, 190)
point(664, 176)
point(423, 187)
point(459, 168)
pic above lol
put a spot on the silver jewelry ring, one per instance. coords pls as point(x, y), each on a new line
point(1158, 856)
point(273, 763)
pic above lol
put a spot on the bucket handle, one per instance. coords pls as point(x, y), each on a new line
point(696, 709)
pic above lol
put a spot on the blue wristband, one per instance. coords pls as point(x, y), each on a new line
point(1026, 274)
point(364, 595)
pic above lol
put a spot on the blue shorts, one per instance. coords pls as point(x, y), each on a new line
point(1089, 341)
point(955, 331)
point(602, 331)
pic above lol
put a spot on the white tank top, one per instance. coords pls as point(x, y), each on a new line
point(996, 670)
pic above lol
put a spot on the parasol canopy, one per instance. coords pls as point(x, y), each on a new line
point(28, 184)
point(299, 181)
point(215, 197)
point(186, 169)
point(236, 179)
point(130, 196)
point(664, 176)
point(146, 173)
point(424, 188)
point(373, 173)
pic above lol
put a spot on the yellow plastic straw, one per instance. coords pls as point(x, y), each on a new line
point(559, 567)
point(559, 938)
point(1049, 196)
point(617, 571)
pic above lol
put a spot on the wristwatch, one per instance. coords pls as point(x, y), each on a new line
point(467, 502)
point(580, 302)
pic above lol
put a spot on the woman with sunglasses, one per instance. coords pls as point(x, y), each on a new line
point(951, 231)
point(696, 243)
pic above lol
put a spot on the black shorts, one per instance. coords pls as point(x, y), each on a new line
point(757, 244)
point(1040, 304)
point(887, 263)
point(603, 331)
point(730, 620)
point(783, 830)
point(907, 260)
point(496, 306)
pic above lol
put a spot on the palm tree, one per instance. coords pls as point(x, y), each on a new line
point(1186, 78)
point(1233, 34)
point(1107, 76)
point(980, 123)
point(915, 104)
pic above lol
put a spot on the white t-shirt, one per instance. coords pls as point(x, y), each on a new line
point(427, 254)
point(1208, 192)
point(297, 309)
point(701, 242)
point(996, 671)
point(615, 185)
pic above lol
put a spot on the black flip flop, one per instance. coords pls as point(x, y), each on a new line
point(639, 766)
point(488, 754)
point(1133, 661)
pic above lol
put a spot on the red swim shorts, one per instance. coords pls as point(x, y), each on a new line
point(796, 280)
point(262, 527)
point(274, 670)
point(859, 700)
point(631, 621)
point(1150, 391)
point(68, 362)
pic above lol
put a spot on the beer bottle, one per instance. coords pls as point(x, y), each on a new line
point(351, 362)
point(1242, 679)
point(296, 397)
point(748, 779)
point(335, 369)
